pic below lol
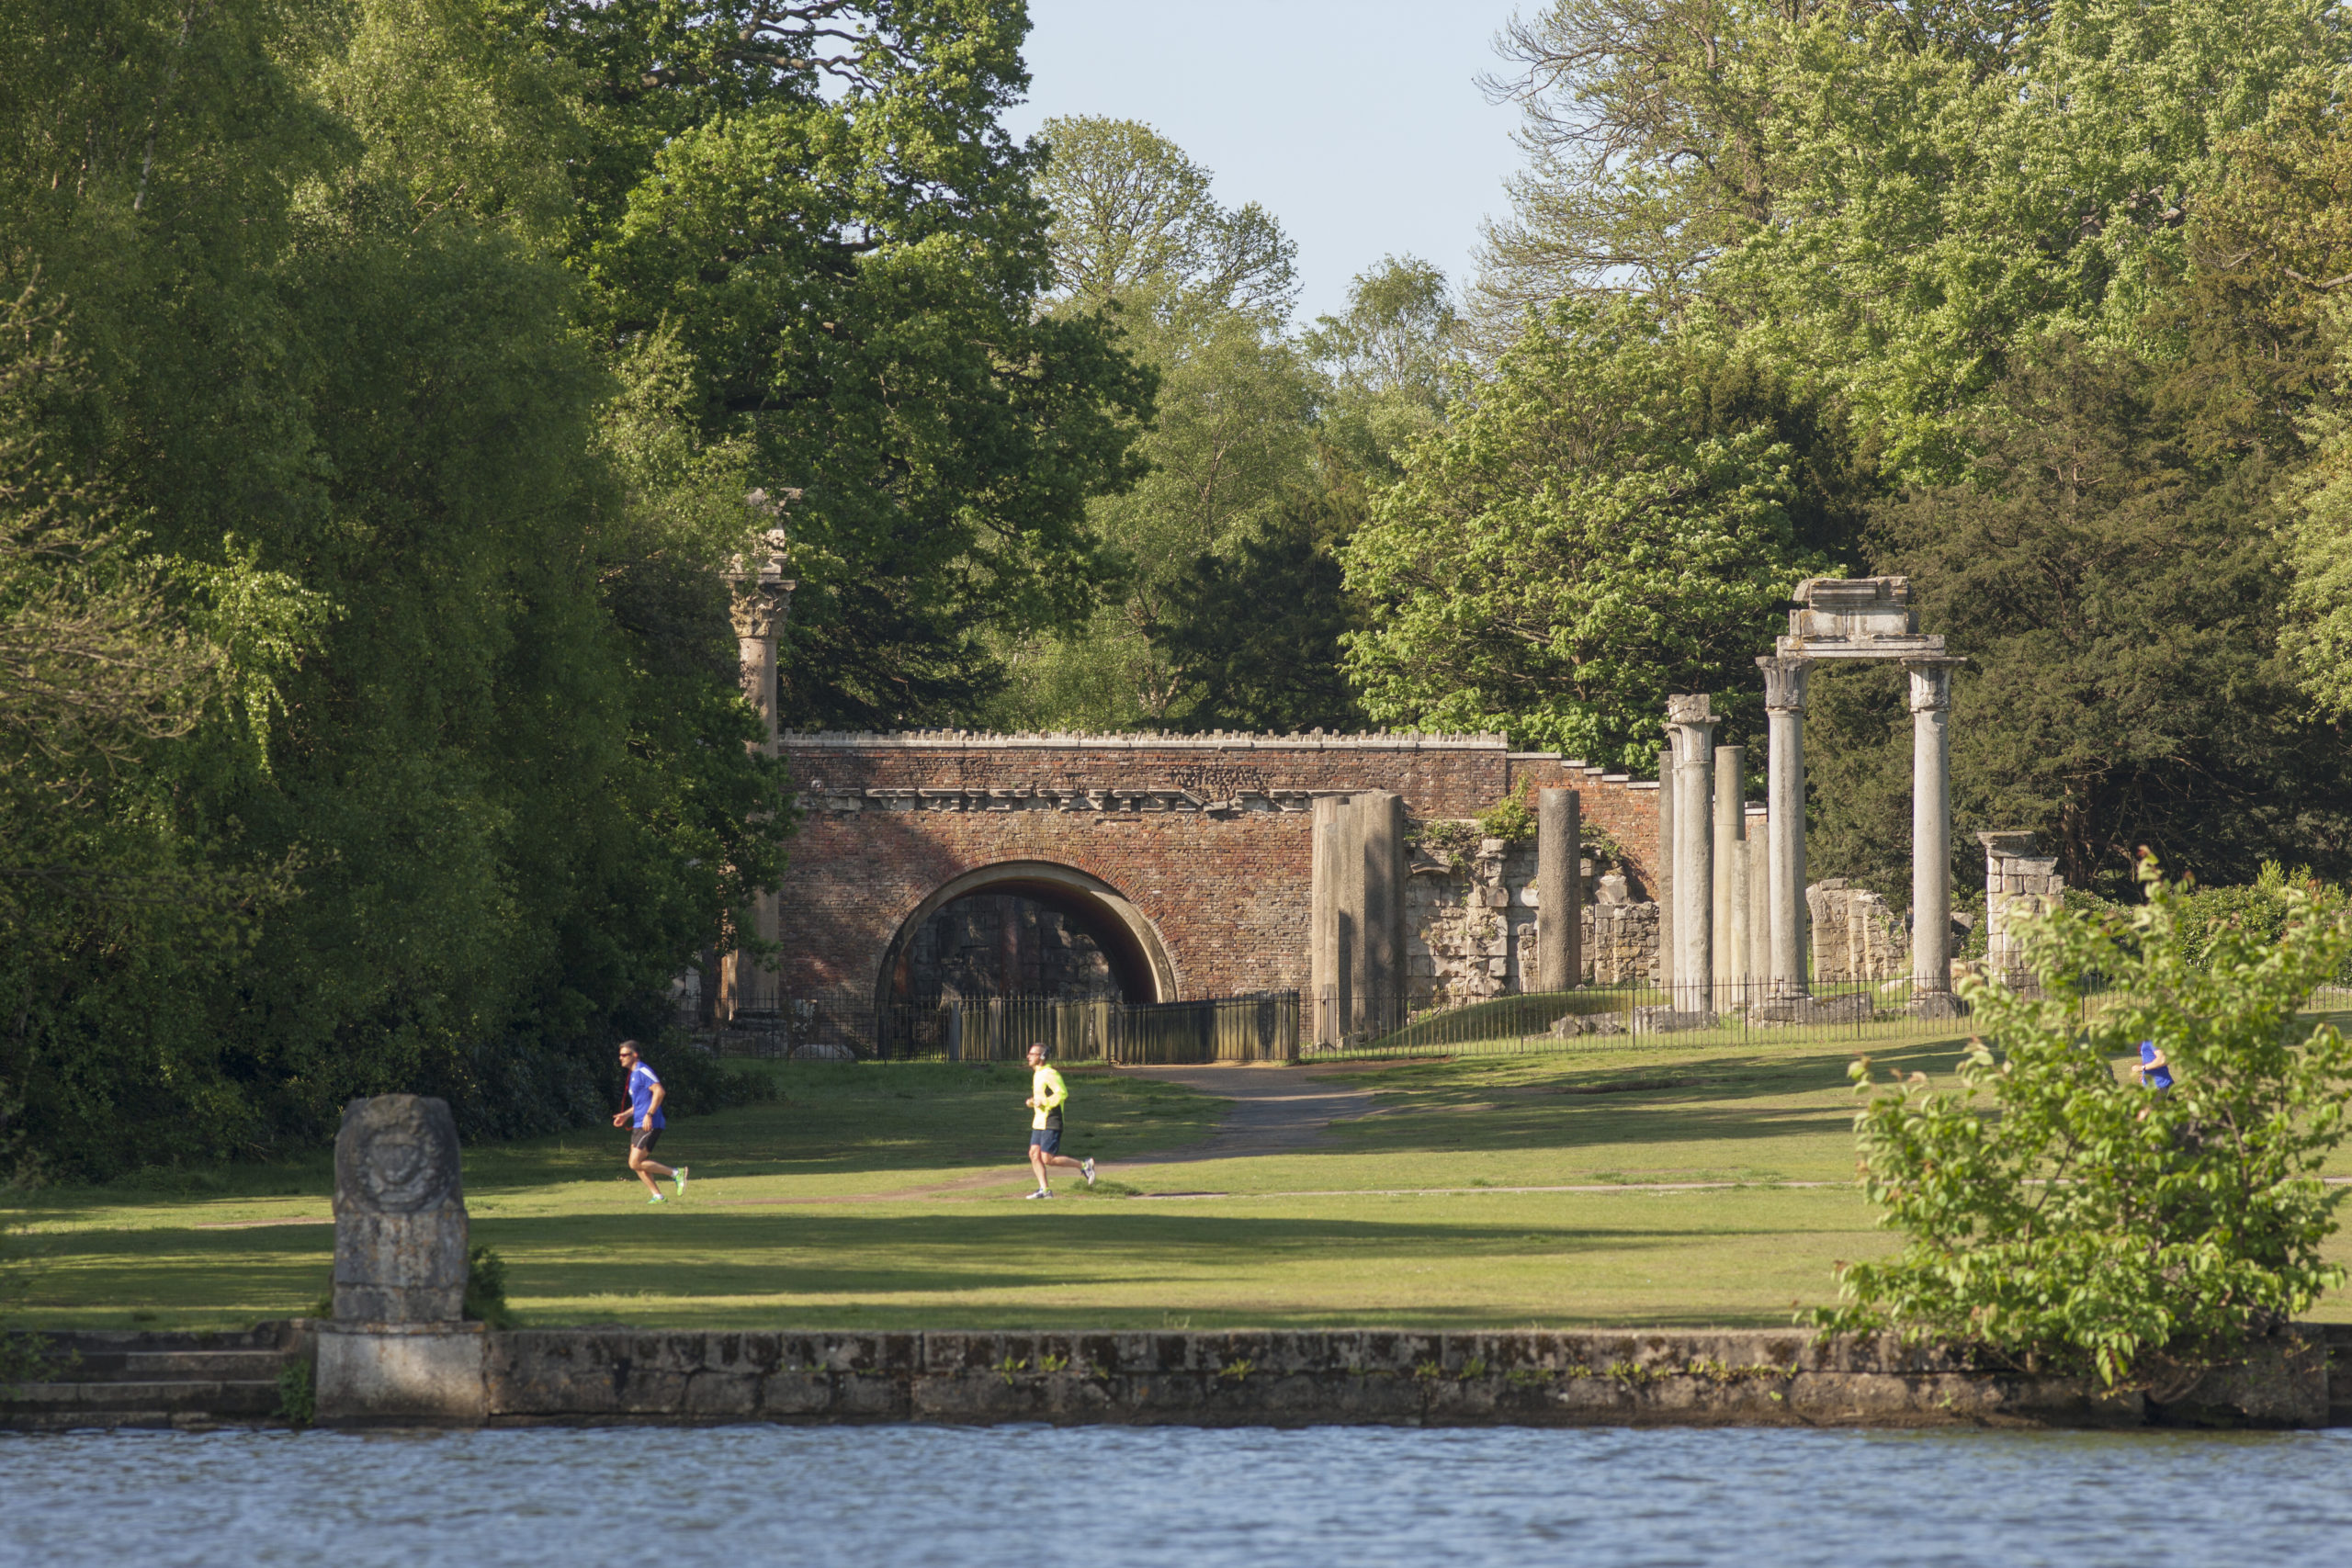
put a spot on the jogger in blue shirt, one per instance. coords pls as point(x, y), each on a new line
point(645, 1097)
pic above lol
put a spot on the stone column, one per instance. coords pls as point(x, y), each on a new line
point(762, 601)
point(1559, 890)
point(1664, 873)
point(1784, 683)
point(1757, 867)
point(1931, 840)
point(1693, 724)
point(1730, 901)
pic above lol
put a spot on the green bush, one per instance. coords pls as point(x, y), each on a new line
point(2089, 1223)
point(486, 1289)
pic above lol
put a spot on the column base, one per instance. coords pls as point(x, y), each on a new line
point(401, 1374)
point(1937, 1004)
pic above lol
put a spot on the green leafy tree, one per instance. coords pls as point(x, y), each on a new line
point(1589, 538)
point(818, 202)
point(1255, 636)
point(1137, 227)
point(1198, 294)
point(2070, 1219)
point(2126, 685)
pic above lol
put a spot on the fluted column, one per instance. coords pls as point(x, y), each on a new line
point(1930, 837)
point(1784, 684)
point(1691, 724)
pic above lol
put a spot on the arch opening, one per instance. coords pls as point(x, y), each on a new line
point(1025, 927)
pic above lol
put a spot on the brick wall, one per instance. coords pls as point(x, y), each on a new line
point(1207, 836)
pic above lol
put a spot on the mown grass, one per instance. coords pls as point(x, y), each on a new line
point(889, 1197)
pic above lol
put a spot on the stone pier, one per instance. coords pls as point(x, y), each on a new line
point(2019, 882)
point(1356, 914)
point(747, 988)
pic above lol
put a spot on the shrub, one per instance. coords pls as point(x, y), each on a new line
point(486, 1289)
point(2089, 1224)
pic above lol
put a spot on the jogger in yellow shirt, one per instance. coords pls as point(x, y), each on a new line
point(1048, 1094)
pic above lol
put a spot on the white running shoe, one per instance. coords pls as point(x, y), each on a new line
point(1041, 1192)
point(1088, 1170)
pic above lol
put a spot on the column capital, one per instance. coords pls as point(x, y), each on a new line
point(1784, 683)
point(1689, 707)
point(759, 609)
point(1930, 685)
point(1691, 723)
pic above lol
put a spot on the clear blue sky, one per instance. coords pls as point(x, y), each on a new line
point(1357, 123)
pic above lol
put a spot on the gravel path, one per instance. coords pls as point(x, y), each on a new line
point(1275, 1110)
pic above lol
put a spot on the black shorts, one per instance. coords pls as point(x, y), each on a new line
point(1047, 1138)
point(645, 1138)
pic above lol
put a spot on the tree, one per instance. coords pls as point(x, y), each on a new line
point(2125, 685)
point(1388, 362)
point(1255, 636)
point(817, 201)
point(1890, 196)
point(1198, 295)
point(1585, 540)
point(2087, 1224)
point(1134, 226)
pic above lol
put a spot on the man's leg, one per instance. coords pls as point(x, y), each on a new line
point(647, 1168)
point(1037, 1158)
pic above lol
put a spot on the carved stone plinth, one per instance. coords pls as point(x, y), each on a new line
point(399, 1213)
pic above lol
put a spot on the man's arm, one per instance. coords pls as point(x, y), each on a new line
point(654, 1106)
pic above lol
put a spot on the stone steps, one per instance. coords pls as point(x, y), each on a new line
point(118, 1379)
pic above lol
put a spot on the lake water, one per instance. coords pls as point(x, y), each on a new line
point(1111, 1497)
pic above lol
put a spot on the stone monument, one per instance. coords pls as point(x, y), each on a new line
point(398, 1350)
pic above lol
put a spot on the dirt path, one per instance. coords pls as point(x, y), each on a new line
point(1275, 1110)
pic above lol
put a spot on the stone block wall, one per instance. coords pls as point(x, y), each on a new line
point(2018, 885)
point(1856, 935)
point(1470, 925)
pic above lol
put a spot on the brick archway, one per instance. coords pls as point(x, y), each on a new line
point(1138, 957)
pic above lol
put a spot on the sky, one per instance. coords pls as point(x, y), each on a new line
point(1357, 123)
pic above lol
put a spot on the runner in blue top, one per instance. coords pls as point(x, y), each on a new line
point(2154, 1070)
point(645, 1097)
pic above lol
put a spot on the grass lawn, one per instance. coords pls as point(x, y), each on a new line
point(889, 1197)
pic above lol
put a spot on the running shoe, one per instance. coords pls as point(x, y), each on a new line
point(1042, 1192)
point(679, 1176)
point(1087, 1170)
point(657, 1198)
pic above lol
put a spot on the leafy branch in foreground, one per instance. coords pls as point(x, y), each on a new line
point(2089, 1223)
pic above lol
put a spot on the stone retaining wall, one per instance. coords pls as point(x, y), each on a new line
point(1372, 1377)
point(592, 1376)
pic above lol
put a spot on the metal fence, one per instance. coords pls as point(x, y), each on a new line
point(1260, 1028)
point(1284, 1026)
point(1591, 1016)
